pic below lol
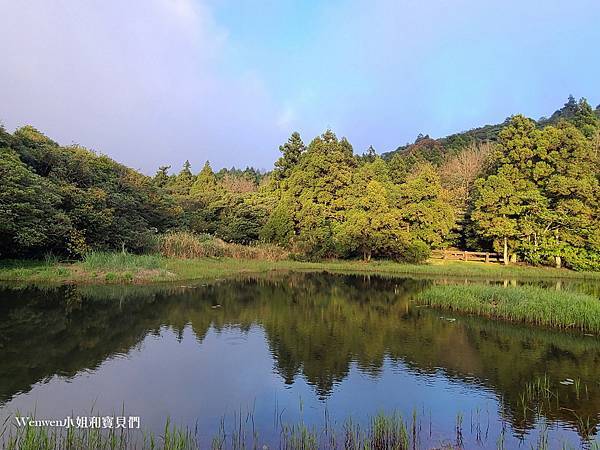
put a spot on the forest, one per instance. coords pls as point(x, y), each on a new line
point(528, 189)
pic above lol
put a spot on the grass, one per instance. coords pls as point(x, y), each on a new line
point(382, 432)
point(181, 244)
point(100, 267)
point(24, 270)
point(529, 304)
point(120, 261)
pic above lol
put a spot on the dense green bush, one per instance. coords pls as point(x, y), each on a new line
point(416, 252)
point(70, 201)
point(582, 259)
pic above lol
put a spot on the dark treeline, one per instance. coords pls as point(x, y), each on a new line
point(528, 189)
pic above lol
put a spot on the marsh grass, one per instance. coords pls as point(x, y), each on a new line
point(121, 261)
point(381, 432)
point(38, 438)
point(529, 304)
point(186, 245)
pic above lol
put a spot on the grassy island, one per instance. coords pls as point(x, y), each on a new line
point(529, 304)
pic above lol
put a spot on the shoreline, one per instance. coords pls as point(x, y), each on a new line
point(145, 269)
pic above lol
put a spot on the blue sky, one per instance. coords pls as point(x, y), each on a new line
point(153, 82)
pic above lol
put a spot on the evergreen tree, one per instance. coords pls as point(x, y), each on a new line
point(205, 184)
point(161, 178)
point(398, 168)
point(542, 197)
point(501, 201)
point(182, 183)
point(369, 155)
point(426, 211)
point(585, 119)
point(290, 155)
point(316, 184)
point(370, 225)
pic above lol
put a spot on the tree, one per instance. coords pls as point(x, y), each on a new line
point(459, 172)
point(6, 138)
point(571, 105)
point(316, 185)
point(501, 201)
point(161, 178)
point(585, 119)
point(290, 155)
point(369, 155)
point(280, 226)
point(182, 183)
point(205, 203)
point(240, 222)
point(238, 183)
point(205, 184)
point(398, 167)
point(371, 225)
point(572, 189)
point(30, 221)
point(543, 191)
point(425, 207)
point(535, 193)
point(102, 205)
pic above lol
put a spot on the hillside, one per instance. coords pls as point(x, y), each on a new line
point(435, 150)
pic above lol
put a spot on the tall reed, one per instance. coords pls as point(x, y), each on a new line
point(182, 244)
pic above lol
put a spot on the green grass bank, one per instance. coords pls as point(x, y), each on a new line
point(103, 268)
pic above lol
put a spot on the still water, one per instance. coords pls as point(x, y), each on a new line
point(292, 348)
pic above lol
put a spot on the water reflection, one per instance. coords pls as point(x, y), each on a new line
point(318, 328)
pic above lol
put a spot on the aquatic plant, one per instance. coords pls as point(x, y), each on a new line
point(381, 432)
point(530, 304)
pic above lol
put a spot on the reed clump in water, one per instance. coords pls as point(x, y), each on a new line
point(529, 304)
point(382, 432)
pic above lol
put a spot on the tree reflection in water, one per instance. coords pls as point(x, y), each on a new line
point(317, 326)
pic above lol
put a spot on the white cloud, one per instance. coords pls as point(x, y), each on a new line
point(143, 81)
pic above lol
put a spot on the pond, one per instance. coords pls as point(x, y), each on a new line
point(293, 348)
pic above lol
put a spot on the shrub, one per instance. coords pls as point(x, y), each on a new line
point(416, 252)
point(582, 259)
point(110, 277)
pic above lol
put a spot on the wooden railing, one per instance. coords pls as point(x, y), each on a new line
point(460, 255)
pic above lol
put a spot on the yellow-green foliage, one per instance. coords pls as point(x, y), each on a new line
point(536, 305)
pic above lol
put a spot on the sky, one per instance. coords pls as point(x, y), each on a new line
point(156, 82)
